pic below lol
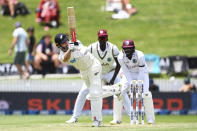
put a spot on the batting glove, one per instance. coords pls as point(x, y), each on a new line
point(72, 47)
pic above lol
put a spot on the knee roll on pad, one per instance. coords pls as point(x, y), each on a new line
point(94, 96)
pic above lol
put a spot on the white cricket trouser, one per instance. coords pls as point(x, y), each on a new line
point(107, 77)
point(80, 102)
point(92, 78)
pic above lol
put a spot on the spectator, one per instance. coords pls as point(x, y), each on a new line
point(45, 54)
point(152, 86)
point(188, 87)
point(113, 5)
point(127, 10)
point(13, 7)
point(31, 48)
point(8, 6)
point(48, 13)
point(19, 42)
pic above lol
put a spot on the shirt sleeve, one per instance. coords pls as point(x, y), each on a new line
point(15, 34)
point(142, 61)
point(115, 51)
point(39, 48)
point(83, 50)
point(89, 48)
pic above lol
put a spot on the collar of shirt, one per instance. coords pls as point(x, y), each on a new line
point(126, 60)
point(102, 53)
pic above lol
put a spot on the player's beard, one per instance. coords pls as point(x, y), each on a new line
point(64, 49)
point(102, 45)
point(103, 42)
point(129, 53)
point(129, 56)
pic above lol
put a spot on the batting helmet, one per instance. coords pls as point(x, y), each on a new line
point(128, 44)
point(128, 48)
point(60, 39)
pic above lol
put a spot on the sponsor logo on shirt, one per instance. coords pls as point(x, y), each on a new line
point(73, 60)
point(105, 64)
point(109, 59)
point(134, 61)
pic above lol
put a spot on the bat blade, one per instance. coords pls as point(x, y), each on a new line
point(72, 23)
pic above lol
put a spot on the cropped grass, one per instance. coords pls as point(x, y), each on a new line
point(162, 27)
point(57, 123)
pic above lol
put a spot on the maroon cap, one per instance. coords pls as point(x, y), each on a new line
point(128, 44)
point(102, 33)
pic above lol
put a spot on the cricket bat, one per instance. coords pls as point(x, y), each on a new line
point(72, 23)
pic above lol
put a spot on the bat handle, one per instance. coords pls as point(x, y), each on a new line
point(73, 34)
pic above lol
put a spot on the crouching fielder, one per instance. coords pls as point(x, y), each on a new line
point(90, 69)
point(134, 67)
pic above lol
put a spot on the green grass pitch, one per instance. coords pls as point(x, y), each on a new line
point(57, 123)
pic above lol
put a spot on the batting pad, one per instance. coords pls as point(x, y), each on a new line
point(117, 108)
point(96, 108)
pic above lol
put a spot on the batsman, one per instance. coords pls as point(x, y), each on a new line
point(90, 69)
point(74, 53)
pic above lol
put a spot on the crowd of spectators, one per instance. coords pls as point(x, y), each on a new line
point(42, 56)
point(188, 86)
point(48, 13)
point(123, 8)
point(13, 8)
point(45, 54)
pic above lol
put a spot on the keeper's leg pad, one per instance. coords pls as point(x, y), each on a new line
point(149, 108)
point(117, 108)
point(126, 103)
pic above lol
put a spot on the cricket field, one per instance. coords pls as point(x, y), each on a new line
point(57, 123)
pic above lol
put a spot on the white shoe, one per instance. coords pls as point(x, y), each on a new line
point(114, 122)
point(72, 120)
point(121, 15)
point(54, 23)
point(150, 122)
point(96, 124)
